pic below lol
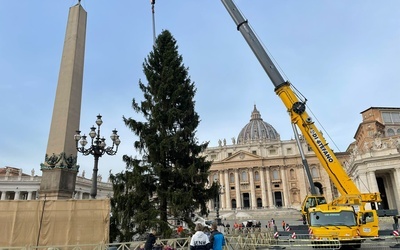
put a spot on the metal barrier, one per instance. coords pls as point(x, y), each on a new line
point(250, 241)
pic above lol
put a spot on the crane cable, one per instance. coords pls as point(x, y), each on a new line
point(153, 2)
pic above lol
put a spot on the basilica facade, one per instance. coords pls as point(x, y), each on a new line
point(258, 170)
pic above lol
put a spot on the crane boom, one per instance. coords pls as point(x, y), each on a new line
point(255, 45)
point(295, 106)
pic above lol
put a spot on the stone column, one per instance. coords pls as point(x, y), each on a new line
point(396, 175)
point(373, 185)
point(253, 204)
point(357, 181)
point(237, 189)
point(222, 196)
point(269, 189)
point(16, 195)
point(3, 195)
point(285, 187)
point(263, 187)
point(363, 182)
point(29, 195)
point(227, 190)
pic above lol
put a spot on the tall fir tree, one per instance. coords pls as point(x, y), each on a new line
point(170, 181)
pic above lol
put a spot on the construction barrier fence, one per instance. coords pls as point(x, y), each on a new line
point(54, 222)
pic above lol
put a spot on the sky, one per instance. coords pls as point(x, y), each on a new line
point(343, 56)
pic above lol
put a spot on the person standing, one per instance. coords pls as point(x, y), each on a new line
point(274, 225)
point(151, 239)
point(283, 225)
point(199, 240)
point(217, 239)
point(179, 230)
point(228, 227)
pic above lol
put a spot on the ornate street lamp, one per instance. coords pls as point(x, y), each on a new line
point(218, 200)
point(97, 148)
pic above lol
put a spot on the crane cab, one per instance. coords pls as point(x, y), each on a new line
point(309, 202)
point(368, 223)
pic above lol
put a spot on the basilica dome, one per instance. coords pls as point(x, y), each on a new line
point(257, 130)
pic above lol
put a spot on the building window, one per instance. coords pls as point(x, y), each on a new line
point(309, 148)
point(391, 117)
point(390, 132)
point(256, 176)
point(257, 186)
point(244, 176)
point(259, 202)
point(233, 203)
point(275, 175)
point(10, 195)
point(213, 157)
point(232, 178)
point(314, 172)
point(276, 185)
point(292, 174)
point(233, 188)
point(254, 152)
point(272, 151)
point(229, 154)
point(289, 151)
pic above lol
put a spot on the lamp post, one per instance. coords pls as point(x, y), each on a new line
point(97, 148)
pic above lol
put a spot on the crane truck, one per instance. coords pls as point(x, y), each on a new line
point(352, 216)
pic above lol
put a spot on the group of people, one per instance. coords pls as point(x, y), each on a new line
point(201, 241)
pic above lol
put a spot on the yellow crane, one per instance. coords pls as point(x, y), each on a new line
point(352, 216)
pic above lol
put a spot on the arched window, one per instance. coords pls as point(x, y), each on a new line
point(292, 174)
point(232, 178)
point(314, 172)
point(256, 176)
point(244, 176)
point(390, 132)
point(275, 175)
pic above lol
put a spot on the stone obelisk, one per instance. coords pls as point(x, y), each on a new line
point(59, 167)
